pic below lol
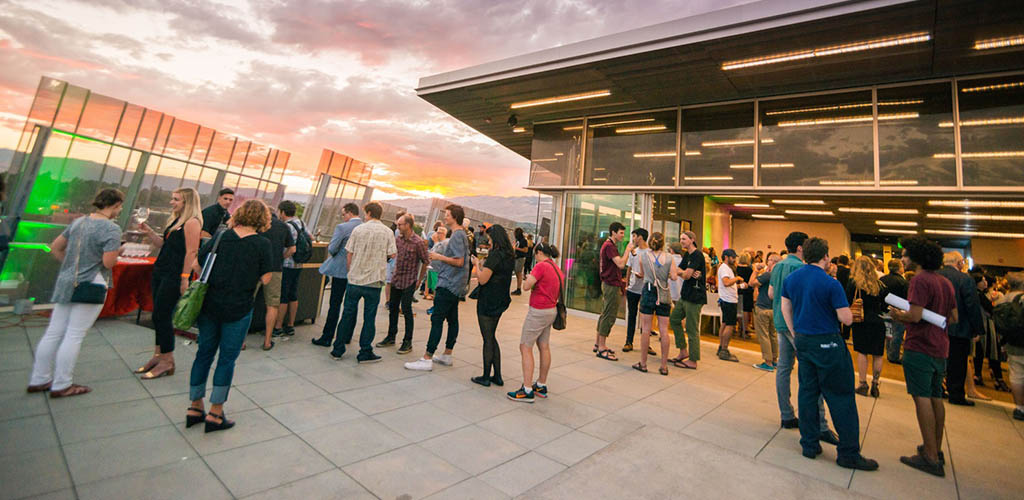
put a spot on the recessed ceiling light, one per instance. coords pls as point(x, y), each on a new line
point(976, 204)
point(999, 43)
point(798, 202)
point(902, 211)
point(987, 154)
point(752, 205)
point(975, 233)
point(838, 107)
point(997, 86)
point(768, 216)
point(877, 43)
point(895, 223)
point(898, 231)
point(561, 98)
point(735, 142)
point(1016, 218)
point(835, 120)
point(987, 121)
point(621, 122)
point(541, 160)
point(665, 154)
point(809, 212)
point(518, 130)
point(632, 130)
point(708, 178)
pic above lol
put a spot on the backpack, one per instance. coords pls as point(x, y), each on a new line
point(303, 245)
point(1009, 320)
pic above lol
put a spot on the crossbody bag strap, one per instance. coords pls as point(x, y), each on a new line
point(559, 276)
point(204, 273)
point(78, 252)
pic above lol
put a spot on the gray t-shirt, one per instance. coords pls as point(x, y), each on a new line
point(96, 237)
point(454, 279)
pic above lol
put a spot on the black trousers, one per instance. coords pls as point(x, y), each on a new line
point(993, 359)
point(400, 297)
point(492, 352)
point(956, 367)
point(166, 292)
point(632, 307)
point(446, 308)
point(338, 286)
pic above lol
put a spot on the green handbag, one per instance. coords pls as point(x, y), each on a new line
point(186, 311)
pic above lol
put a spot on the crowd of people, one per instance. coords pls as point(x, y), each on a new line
point(801, 304)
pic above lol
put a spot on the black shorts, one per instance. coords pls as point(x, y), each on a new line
point(290, 285)
point(649, 303)
point(728, 313)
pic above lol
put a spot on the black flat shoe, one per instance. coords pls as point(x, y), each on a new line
point(496, 380)
point(961, 402)
point(191, 420)
point(223, 425)
point(321, 342)
point(859, 463)
point(484, 381)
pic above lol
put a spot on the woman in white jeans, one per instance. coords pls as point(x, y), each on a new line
point(88, 249)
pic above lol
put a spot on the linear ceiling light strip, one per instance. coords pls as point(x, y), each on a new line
point(879, 43)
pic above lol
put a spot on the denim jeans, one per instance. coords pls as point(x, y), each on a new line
point(632, 307)
point(892, 347)
point(826, 370)
point(401, 298)
point(371, 299)
point(787, 358)
point(446, 307)
point(338, 286)
point(213, 335)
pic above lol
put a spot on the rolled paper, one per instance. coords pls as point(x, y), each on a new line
point(927, 315)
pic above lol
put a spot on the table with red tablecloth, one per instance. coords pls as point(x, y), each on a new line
point(132, 287)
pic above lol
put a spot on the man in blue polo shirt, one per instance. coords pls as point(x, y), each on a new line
point(813, 305)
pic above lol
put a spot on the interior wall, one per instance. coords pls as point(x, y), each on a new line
point(717, 230)
point(770, 235)
point(998, 252)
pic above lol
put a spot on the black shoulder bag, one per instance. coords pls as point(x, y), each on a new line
point(86, 293)
point(560, 314)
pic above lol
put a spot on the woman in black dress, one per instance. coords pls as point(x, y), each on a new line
point(868, 334)
point(746, 293)
point(495, 278)
point(178, 248)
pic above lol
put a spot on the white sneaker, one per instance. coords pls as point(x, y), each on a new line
point(444, 359)
point(422, 365)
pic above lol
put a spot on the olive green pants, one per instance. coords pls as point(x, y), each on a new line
point(610, 298)
point(691, 311)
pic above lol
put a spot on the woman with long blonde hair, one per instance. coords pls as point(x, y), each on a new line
point(178, 246)
point(869, 333)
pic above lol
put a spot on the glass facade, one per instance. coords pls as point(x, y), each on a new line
point(718, 146)
point(992, 131)
point(347, 179)
point(556, 153)
point(632, 150)
point(894, 137)
point(100, 142)
point(588, 217)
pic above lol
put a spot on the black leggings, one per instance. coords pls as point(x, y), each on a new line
point(492, 352)
point(166, 292)
point(632, 307)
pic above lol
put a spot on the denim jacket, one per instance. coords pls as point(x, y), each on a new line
point(336, 265)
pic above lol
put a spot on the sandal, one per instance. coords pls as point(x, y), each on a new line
point(683, 364)
point(267, 348)
point(71, 390)
point(223, 425)
point(607, 354)
point(640, 368)
point(152, 374)
point(663, 371)
point(191, 420)
point(680, 359)
point(595, 347)
point(39, 388)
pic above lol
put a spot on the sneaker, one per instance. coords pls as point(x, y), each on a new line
point(406, 348)
point(289, 331)
point(858, 462)
point(862, 389)
point(388, 341)
point(792, 423)
point(1018, 414)
point(420, 365)
point(444, 359)
point(517, 292)
point(725, 355)
point(540, 391)
point(335, 355)
point(415, 300)
point(367, 358)
point(521, 396)
point(278, 332)
point(322, 342)
point(764, 366)
point(812, 454)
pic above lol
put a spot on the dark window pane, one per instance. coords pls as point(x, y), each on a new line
point(917, 150)
point(630, 150)
point(991, 129)
point(101, 117)
point(556, 154)
point(718, 146)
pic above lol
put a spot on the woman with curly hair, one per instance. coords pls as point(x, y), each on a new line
point(869, 333)
point(240, 262)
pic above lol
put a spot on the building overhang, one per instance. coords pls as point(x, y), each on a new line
point(687, 61)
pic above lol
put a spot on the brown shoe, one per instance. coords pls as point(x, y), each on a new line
point(39, 388)
point(71, 390)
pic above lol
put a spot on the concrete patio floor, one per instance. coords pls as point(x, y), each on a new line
point(311, 427)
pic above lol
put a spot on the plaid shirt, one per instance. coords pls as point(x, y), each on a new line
point(411, 252)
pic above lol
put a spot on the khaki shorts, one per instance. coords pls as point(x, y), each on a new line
point(1016, 363)
point(537, 326)
point(272, 290)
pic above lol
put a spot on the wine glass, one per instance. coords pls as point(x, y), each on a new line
point(141, 215)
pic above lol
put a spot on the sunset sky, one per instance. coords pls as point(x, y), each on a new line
point(307, 74)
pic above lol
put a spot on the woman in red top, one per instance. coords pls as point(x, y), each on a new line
point(545, 285)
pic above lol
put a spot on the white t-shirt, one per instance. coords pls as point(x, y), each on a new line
point(675, 286)
point(727, 293)
point(636, 285)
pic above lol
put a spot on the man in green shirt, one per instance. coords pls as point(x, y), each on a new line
point(787, 347)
